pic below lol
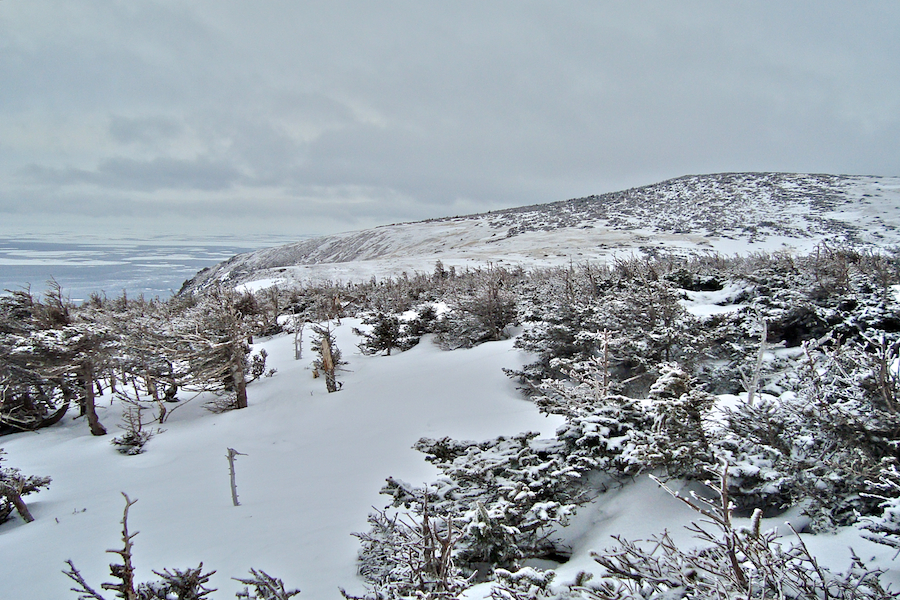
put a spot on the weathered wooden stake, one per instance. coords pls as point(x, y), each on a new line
point(231, 454)
point(298, 340)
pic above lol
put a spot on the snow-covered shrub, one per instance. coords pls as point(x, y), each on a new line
point(632, 323)
point(820, 449)
point(498, 501)
point(187, 584)
point(411, 554)
point(482, 313)
point(526, 583)
point(624, 436)
point(256, 367)
point(388, 332)
point(560, 335)
point(14, 485)
point(136, 434)
point(509, 493)
point(885, 528)
point(422, 323)
point(732, 563)
point(383, 336)
point(826, 439)
point(677, 440)
point(474, 323)
point(822, 410)
point(756, 443)
point(608, 437)
point(264, 587)
point(131, 442)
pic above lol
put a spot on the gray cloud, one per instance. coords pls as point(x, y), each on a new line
point(352, 113)
point(143, 130)
point(151, 175)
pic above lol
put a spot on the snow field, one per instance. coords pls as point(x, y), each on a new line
point(314, 465)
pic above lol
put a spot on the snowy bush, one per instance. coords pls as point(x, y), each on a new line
point(821, 411)
point(257, 366)
point(499, 502)
point(388, 332)
point(885, 528)
point(411, 554)
point(731, 562)
point(819, 443)
point(14, 485)
point(632, 324)
point(187, 584)
point(624, 436)
point(482, 313)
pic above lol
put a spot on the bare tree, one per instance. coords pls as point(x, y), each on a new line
point(212, 338)
point(329, 360)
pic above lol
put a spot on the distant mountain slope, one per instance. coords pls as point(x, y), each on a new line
point(727, 212)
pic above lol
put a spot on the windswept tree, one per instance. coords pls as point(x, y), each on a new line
point(151, 364)
point(29, 399)
point(213, 335)
point(14, 485)
point(52, 356)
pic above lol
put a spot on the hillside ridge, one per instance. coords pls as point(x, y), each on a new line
point(724, 212)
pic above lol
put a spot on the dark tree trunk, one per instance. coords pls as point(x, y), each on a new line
point(12, 494)
point(90, 410)
point(237, 377)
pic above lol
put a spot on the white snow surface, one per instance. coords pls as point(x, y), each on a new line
point(705, 304)
point(314, 465)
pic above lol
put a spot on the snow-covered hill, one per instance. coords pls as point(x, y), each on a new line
point(727, 213)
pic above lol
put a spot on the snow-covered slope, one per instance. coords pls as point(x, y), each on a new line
point(727, 213)
point(314, 465)
point(312, 468)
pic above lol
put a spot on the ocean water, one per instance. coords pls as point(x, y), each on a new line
point(152, 267)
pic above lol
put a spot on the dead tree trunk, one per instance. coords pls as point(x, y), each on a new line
point(15, 498)
point(298, 341)
point(232, 453)
point(90, 410)
point(237, 377)
point(328, 366)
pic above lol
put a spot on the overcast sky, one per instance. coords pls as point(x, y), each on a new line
point(229, 116)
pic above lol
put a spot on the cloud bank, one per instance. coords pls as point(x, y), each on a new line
point(227, 117)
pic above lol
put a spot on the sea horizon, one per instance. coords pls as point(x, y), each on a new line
point(151, 266)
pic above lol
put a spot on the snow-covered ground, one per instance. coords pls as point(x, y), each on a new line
point(313, 468)
point(313, 463)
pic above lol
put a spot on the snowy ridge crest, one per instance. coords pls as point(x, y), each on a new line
point(727, 212)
